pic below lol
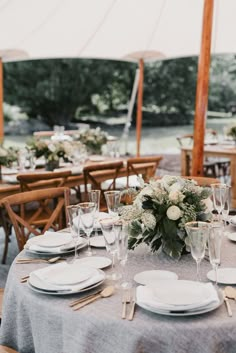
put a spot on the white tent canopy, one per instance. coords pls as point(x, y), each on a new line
point(111, 29)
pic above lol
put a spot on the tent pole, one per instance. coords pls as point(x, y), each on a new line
point(1, 104)
point(139, 106)
point(202, 89)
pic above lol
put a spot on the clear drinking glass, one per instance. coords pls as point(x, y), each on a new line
point(87, 217)
point(111, 241)
point(113, 201)
point(226, 205)
point(94, 196)
point(74, 220)
point(198, 234)
point(219, 192)
point(121, 229)
point(214, 246)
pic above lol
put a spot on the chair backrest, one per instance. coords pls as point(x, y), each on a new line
point(41, 180)
point(94, 174)
point(49, 212)
point(203, 181)
point(134, 163)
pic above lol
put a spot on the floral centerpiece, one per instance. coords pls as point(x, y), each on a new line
point(160, 210)
point(52, 150)
point(7, 157)
point(93, 139)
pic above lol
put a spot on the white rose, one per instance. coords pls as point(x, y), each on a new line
point(176, 196)
point(176, 187)
point(209, 204)
point(173, 213)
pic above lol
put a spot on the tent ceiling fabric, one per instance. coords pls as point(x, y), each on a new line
point(111, 29)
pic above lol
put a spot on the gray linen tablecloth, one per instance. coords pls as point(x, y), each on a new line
point(46, 324)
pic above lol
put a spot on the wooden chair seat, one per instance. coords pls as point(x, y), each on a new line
point(5, 349)
point(50, 213)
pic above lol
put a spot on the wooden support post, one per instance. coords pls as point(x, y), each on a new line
point(1, 104)
point(139, 106)
point(202, 89)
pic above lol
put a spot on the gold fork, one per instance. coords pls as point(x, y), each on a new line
point(125, 300)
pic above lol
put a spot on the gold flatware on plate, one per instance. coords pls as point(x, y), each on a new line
point(38, 260)
point(105, 293)
point(230, 292)
point(133, 303)
point(125, 300)
point(228, 307)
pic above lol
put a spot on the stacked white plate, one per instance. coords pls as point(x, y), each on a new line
point(53, 243)
point(233, 221)
point(179, 298)
point(64, 278)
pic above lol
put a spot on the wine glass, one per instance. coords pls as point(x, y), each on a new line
point(214, 246)
point(113, 201)
point(219, 192)
point(111, 241)
point(94, 196)
point(197, 233)
point(226, 205)
point(74, 219)
point(87, 217)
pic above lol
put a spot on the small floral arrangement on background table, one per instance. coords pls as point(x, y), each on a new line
point(230, 130)
point(160, 210)
point(53, 150)
point(7, 157)
point(93, 139)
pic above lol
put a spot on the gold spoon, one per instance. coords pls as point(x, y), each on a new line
point(105, 293)
point(230, 292)
point(28, 261)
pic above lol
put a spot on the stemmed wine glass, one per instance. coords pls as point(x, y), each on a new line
point(219, 192)
point(74, 220)
point(87, 217)
point(94, 196)
point(214, 246)
point(226, 205)
point(198, 234)
point(113, 201)
point(111, 241)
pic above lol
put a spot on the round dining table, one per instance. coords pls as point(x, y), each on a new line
point(40, 323)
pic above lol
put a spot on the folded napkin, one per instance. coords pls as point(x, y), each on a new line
point(233, 220)
point(73, 170)
point(43, 277)
point(148, 296)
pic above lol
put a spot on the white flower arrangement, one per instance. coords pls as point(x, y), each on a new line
point(161, 209)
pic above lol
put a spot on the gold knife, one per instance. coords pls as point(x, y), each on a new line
point(227, 304)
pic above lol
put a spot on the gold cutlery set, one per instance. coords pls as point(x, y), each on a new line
point(229, 293)
point(128, 298)
point(103, 293)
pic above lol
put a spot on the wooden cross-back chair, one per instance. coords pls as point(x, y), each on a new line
point(50, 213)
point(202, 181)
point(94, 175)
point(134, 162)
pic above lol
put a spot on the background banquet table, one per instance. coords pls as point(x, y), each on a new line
point(39, 323)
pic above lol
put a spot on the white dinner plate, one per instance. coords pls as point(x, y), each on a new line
point(225, 275)
point(65, 251)
point(231, 236)
point(150, 277)
point(51, 239)
point(95, 261)
point(98, 241)
point(63, 292)
point(185, 313)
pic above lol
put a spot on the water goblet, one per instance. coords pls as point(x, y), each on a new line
point(113, 201)
point(87, 217)
point(73, 217)
point(214, 246)
point(219, 193)
point(111, 241)
point(94, 196)
point(198, 234)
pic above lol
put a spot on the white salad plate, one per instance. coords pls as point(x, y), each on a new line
point(98, 241)
point(98, 262)
point(225, 275)
point(152, 276)
point(51, 239)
